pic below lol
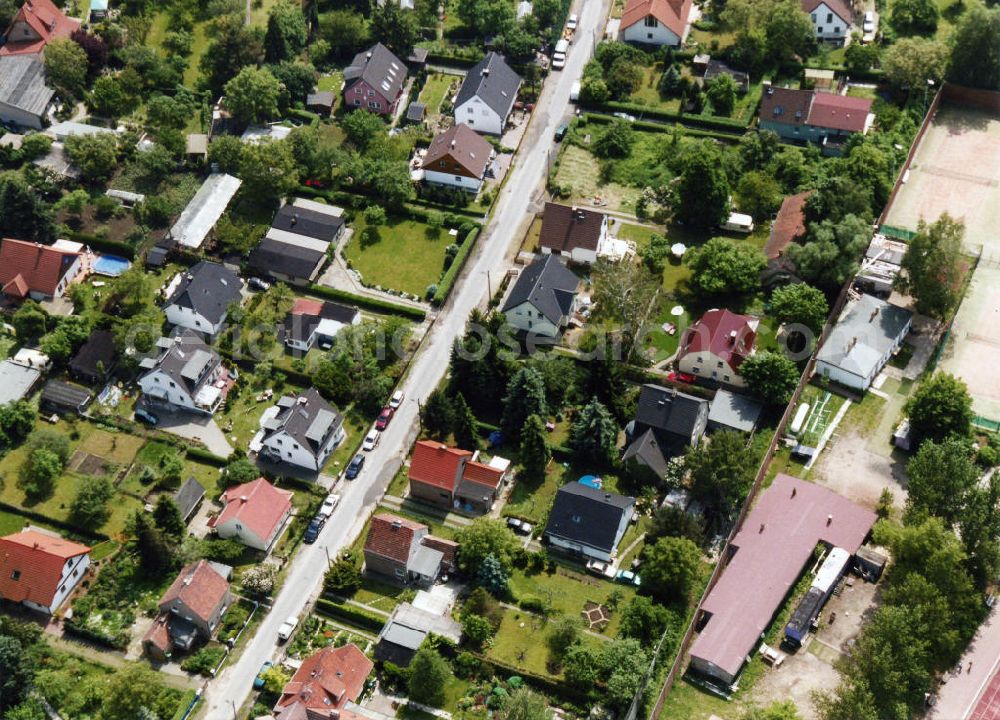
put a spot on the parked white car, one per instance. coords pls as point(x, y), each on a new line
point(396, 400)
point(287, 628)
point(868, 26)
point(371, 440)
point(328, 506)
point(572, 22)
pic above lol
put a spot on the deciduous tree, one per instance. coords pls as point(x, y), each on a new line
point(723, 267)
point(910, 62)
point(286, 32)
point(615, 140)
point(914, 17)
point(428, 675)
point(975, 53)
point(933, 266)
point(721, 473)
point(66, 67)
point(670, 568)
point(90, 506)
point(940, 407)
point(252, 96)
point(703, 190)
point(829, 254)
point(485, 537)
point(770, 376)
point(95, 156)
point(800, 304)
point(721, 91)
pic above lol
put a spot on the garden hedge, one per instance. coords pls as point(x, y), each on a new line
point(455, 61)
point(711, 122)
point(112, 247)
point(547, 686)
point(188, 699)
point(117, 643)
point(645, 126)
point(209, 458)
point(448, 280)
point(368, 303)
point(352, 615)
point(89, 535)
point(305, 115)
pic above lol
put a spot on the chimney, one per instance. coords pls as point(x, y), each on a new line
point(486, 72)
point(850, 345)
point(396, 525)
point(873, 315)
point(732, 337)
point(794, 490)
point(452, 144)
point(762, 526)
point(295, 220)
point(244, 498)
point(368, 55)
point(829, 519)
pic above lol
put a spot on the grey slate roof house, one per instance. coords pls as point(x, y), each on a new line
point(24, 96)
point(407, 628)
point(201, 300)
point(374, 80)
point(63, 397)
point(588, 521)
point(16, 381)
point(308, 222)
point(487, 96)
point(867, 334)
point(732, 411)
point(184, 374)
point(302, 431)
point(95, 359)
point(666, 421)
point(295, 248)
point(541, 301)
point(189, 497)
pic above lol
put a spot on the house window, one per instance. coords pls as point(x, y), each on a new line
point(696, 370)
point(649, 36)
point(819, 30)
point(277, 441)
point(650, 21)
point(813, 16)
point(289, 453)
point(719, 364)
point(486, 113)
point(16, 575)
point(197, 323)
point(371, 93)
point(357, 102)
point(357, 91)
point(726, 378)
point(471, 111)
point(173, 384)
point(373, 105)
point(400, 572)
point(458, 178)
point(829, 17)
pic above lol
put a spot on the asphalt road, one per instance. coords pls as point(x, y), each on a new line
point(228, 692)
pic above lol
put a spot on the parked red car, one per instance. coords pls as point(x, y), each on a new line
point(384, 417)
point(674, 376)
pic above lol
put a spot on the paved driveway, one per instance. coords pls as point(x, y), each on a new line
point(195, 427)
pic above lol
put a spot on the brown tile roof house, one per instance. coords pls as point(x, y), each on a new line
point(35, 25)
point(788, 226)
point(404, 550)
point(786, 105)
point(671, 13)
point(324, 683)
point(460, 150)
point(838, 7)
point(809, 115)
point(572, 231)
point(768, 554)
point(452, 478)
point(36, 270)
point(190, 609)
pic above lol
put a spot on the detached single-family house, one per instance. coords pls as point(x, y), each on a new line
point(298, 243)
point(24, 96)
point(95, 359)
point(190, 609)
point(199, 298)
point(832, 19)
point(543, 297)
point(406, 552)
point(453, 479)
point(312, 322)
point(667, 422)
point(300, 430)
point(458, 157)
point(811, 116)
point(655, 22)
point(573, 232)
point(588, 521)
point(253, 513)
point(324, 685)
point(374, 81)
point(40, 570)
point(865, 337)
point(185, 374)
point(714, 347)
point(35, 25)
point(36, 271)
point(487, 96)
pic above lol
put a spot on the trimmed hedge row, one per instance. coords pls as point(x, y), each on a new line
point(446, 60)
point(187, 700)
point(89, 535)
point(353, 615)
point(126, 250)
point(715, 123)
point(368, 303)
point(645, 126)
point(448, 281)
point(117, 643)
point(209, 458)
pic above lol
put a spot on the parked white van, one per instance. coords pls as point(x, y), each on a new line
point(559, 55)
point(738, 222)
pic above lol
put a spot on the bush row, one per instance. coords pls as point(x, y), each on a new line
point(304, 115)
point(711, 122)
point(204, 456)
point(88, 535)
point(187, 700)
point(368, 303)
point(352, 615)
point(644, 126)
point(448, 280)
point(117, 642)
point(113, 247)
point(455, 61)
point(547, 686)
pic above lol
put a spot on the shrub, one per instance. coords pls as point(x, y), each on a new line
point(204, 661)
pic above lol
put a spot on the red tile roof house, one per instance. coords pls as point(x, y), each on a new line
point(325, 685)
point(452, 479)
point(40, 571)
point(406, 552)
point(789, 225)
point(190, 610)
point(767, 558)
point(36, 24)
point(458, 157)
point(374, 81)
point(655, 22)
point(254, 513)
point(36, 271)
point(714, 347)
point(812, 116)
point(832, 19)
point(573, 233)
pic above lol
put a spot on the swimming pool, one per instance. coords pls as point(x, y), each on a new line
point(111, 265)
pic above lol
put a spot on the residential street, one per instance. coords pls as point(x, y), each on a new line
point(359, 497)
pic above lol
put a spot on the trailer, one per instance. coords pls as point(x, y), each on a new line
point(809, 607)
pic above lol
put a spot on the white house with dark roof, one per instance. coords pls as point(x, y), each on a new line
point(185, 373)
point(487, 96)
point(832, 19)
point(588, 521)
point(666, 423)
point(316, 321)
point(300, 430)
point(655, 22)
point(543, 298)
point(297, 245)
point(199, 298)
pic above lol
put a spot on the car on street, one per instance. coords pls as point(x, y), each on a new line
point(519, 526)
point(258, 682)
point(146, 417)
point(625, 116)
point(627, 577)
point(371, 440)
point(354, 469)
point(329, 505)
point(561, 132)
point(312, 532)
point(287, 628)
point(384, 418)
point(868, 26)
point(601, 568)
point(256, 283)
point(396, 400)
point(674, 376)
point(572, 22)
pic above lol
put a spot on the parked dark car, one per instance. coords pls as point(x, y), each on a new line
point(354, 469)
point(561, 132)
point(384, 418)
point(312, 532)
point(146, 417)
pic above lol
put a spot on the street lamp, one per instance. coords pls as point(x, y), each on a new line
point(235, 714)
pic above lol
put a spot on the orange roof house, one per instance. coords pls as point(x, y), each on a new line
point(403, 550)
point(254, 513)
point(453, 478)
point(655, 22)
point(36, 24)
point(789, 225)
point(40, 570)
point(29, 269)
point(190, 609)
point(324, 684)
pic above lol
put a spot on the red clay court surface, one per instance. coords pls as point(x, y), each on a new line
point(988, 706)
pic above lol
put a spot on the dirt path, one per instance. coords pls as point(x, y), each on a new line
point(851, 469)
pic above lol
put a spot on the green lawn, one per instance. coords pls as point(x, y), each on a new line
point(408, 257)
point(531, 501)
point(649, 93)
point(382, 595)
point(12, 522)
point(356, 428)
point(198, 48)
point(566, 591)
point(435, 90)
point(580, 171)
point(519, 641)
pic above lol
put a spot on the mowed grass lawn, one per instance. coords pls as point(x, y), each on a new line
point(567, 591)
point(520, 642)
point(580, 171)
point(406, 258)
point(435, 90)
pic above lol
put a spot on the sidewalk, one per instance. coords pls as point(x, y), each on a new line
point(957, 698)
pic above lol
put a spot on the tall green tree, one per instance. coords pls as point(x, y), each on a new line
point(66, 67)
point(939, 479)
point(670, 569)
point(252, 96)
point(725, 267)
point(770, 376)
point(482, 538)
point(800, 304)
point(525, 397)
point(594, 434)
point(524, 704)
point(464, 425)
point(167, 517)
point(534, 450)
point(234, 47)
point(721, 91)
point(286, 32)
point(703, 189)
point(914, 17)
point(940, 407)
point(910, 62)
point(565, 632)
point(975, 52)
point(831, 250)
point(95, 156)
point(721, 473)
point(646, 620)
point(268, 171)
point(23, 213)
point(758, 193)
point(395, 27)
point(437, 416)
point(90, 506)
point(933, 266)
point(17, 672)
point(345, 30)
point(428, 675)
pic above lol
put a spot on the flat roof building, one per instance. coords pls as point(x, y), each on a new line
point(204, 210)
